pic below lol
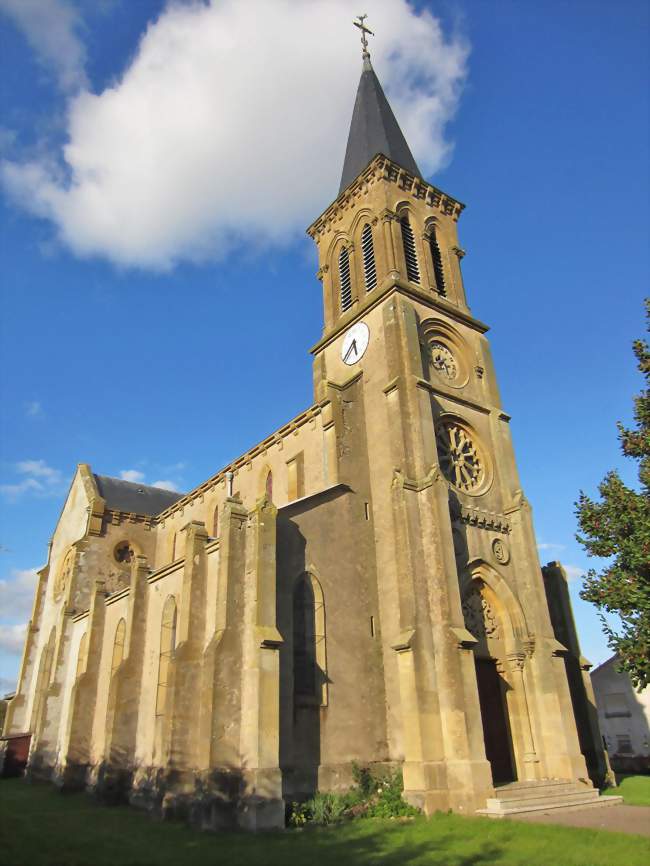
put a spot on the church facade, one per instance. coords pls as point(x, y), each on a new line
point(362, 586)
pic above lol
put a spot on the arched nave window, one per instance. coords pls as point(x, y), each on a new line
point(309, 649)
point(167, 646)
point(43, 680)
point(82, 655)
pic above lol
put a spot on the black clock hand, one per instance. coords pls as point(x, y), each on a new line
point(353, 345)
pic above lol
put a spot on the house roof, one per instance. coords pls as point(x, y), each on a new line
point(137, 498)
point(374, 130)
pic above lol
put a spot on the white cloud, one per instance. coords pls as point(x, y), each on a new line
point(547, 545)
point(14, 491)
point(12, 638)
point(165, 485)
point(51, 28)
point(33, 408)
point(230, 123)
point(138, 477)
point(40, 469)
point(133, 475)
point(41, 479)
point(17, 593)
point(574, 572)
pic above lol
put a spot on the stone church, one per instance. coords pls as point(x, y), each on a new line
point(361, 586)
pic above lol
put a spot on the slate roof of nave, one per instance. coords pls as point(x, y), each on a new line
point(134, 498)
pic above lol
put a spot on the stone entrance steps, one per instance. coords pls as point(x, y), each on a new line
point(517, 798)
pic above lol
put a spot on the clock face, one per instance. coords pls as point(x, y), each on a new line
point(355, 343)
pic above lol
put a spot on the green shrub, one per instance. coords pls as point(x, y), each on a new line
point(372, 796)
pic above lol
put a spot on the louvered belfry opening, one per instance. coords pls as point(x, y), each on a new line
point(344, 277)
point(368, 251)
point(412, 268)
point(436, 256)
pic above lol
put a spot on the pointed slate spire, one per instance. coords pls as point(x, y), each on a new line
point(374, 130)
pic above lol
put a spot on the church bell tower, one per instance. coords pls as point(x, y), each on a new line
point(475, 680)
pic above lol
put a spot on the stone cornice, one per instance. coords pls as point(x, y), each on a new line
point(451, 397)
point(166, 570)
point(275, 439)
point(393, 285)
point(117, 596)
point(115, 518)
point(383, 169)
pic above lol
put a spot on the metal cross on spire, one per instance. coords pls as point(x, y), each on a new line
point(364, 30)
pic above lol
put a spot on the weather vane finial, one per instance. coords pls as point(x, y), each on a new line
point(364, 30)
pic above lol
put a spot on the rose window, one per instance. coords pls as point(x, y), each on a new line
point(63, 575)
point(460, 458)
point(442, 360)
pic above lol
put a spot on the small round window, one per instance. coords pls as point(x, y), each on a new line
point(123, 553)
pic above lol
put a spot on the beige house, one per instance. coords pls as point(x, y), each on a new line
point(362, 586)
point(624, 717)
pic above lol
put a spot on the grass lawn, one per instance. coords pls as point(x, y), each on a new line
point(635, 790)
point(41, 827)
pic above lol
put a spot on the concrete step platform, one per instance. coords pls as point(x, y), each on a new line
point(519, 798)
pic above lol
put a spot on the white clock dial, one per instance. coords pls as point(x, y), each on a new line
point(355, 343)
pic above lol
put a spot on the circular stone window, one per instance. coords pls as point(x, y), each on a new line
point(462, 460)
point(123, 553)
point(63, 575)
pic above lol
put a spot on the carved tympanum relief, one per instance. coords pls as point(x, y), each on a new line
point(461, 458)
point(480, 619)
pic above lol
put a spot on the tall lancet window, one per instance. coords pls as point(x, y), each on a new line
point(167, 646)
point(410, 254)
point(344, 279)
point(43, 682)
point(369, 266)
point(309, 654)
point(111, 706)
point(436, 256)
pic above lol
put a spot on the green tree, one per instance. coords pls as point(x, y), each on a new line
point(617, 527)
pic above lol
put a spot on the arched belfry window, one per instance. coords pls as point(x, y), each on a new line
point(167, 646)
point(410, 254)
point(268, 486)
point(436, 257)
point(345, 280)
point(309, 651)
point(215, 522)
point(368, 251)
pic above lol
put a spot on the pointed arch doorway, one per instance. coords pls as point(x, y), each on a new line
point(493, 687)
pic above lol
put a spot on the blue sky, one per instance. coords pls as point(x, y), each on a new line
point(169, 352)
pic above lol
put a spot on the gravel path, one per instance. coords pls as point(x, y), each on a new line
point(620, 819)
